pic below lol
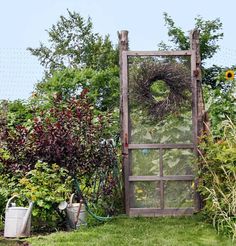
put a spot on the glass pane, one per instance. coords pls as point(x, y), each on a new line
point(145, 162)
point(160, 100)
point(145, 194)
point(178, 162)
point(178, 194)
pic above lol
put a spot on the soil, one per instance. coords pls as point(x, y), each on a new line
point(13, 242)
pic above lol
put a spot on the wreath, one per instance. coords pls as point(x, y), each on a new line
point(177, 78)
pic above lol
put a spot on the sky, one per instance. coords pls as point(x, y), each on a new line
point(23, 24)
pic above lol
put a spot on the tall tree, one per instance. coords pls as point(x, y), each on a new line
point(76, 58)
point(72, 43)
point(210, 34)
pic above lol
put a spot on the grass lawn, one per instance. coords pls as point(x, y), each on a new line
point(138, 231)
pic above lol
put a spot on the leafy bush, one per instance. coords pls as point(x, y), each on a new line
point(46, 186)
point(68, 133)
point(217, 179)
point(18, 112)
point(220, 103)
point(103, 87)
point(72, 135)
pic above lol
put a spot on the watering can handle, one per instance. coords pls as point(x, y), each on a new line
point(12, 198)
point(26, 217)
point(71, 199)
point(8, 202)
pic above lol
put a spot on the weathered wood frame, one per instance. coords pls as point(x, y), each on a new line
point(197, 110)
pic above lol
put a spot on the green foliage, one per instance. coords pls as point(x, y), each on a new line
point(103, 87)
point(77, 58)
point(217, 179)
point(66, 121)
point(19, 112)
point(220, 103)
point(71, 134)
point(73, 44)
point(4, 194)
point(210, 34)
point(175, 128)
point(45, 185)
point(211, 76)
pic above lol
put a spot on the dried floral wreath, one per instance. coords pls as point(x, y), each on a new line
point(177, 78)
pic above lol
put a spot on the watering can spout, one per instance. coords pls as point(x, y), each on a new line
point(27, 218)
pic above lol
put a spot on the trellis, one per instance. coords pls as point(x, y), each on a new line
point(129, 146)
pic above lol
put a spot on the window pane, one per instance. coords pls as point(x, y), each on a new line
point(145, 194)
point(145, 162)
point(179, 162)
point(178, 194)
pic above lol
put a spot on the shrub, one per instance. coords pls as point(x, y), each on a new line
point(220, 103)
point(46, 186)
point(72, 135)
point(217, 179)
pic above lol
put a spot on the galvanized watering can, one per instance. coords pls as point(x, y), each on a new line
point(76, 213)
point(17, 219)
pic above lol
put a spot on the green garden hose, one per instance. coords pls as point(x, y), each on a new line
point(99, 218)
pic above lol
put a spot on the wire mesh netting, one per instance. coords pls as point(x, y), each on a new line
point(225, 57)
point(19, 71)
point(160, 100)
point(160, 112)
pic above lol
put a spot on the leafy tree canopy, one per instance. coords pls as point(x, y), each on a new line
point(102, 87)
point(210, 34)
point(72, 43)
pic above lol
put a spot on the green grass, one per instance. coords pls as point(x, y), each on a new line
point(139, 231)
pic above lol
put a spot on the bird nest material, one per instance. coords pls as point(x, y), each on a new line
point(177, 78)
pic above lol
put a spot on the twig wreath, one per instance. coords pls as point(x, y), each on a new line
point(177, 78)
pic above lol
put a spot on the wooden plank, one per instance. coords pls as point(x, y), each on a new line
point(203, 124)
point(123, 45)
point(160, 53)
point(131, 199)
point(161, 146)
point(161, 181)
point(198, 103)
point(156, 212)
point(161, 162)
point(157, 178)
point(125, 129)
point(194, 73)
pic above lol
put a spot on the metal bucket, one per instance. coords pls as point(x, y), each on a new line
point(76, 213)
point(17, 220)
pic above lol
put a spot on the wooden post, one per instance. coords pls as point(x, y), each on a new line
point(123, 46)
point(201, 121)
point(203, 124)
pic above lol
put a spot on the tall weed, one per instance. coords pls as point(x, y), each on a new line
point(218, 179)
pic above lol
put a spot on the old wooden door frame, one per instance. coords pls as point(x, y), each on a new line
point(194, 54)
